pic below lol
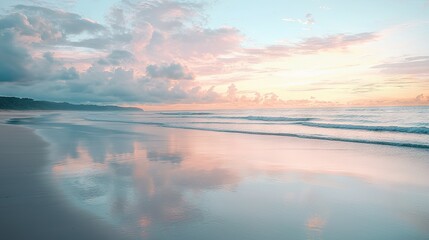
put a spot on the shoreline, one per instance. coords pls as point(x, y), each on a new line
point(100, 181)
point(30, 208)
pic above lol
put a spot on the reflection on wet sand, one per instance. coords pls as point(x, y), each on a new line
point(141, 182)
point(158, 182)
point(315, 226)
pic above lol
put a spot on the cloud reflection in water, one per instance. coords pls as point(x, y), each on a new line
point(157, 182)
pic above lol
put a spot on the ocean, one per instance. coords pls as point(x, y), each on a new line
point(322, 173)
point(396, 126)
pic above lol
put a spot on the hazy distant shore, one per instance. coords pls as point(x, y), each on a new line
point(31, 208)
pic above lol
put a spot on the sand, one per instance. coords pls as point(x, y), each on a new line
point(31, 208)
point(110, 180)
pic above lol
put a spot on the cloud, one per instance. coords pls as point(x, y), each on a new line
point(420, 99)
point(20, 67)
point(43, 28)
point(335, 41)
point(13, 59)
point(33, 24)
point(313, 45)
point(143, 53)
point(197, 42)
point(165, 15)
point(68, 23)
point(409, 66)
point(171, 71)
point(117, 57)
point(29, 31)
point(307, 20)
point(134, 59)
point(243, 62)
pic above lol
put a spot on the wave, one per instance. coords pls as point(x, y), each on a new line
point(318, 137)
point(266, 118)
point(250, 118)
point(418, 130)
point(276, 119)
point(308, 121)
point(307, 136)
point(185, 113)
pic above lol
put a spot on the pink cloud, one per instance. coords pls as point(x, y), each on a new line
point(420, 99)
point(408, 66)
point(144, 53)
point(313, 45)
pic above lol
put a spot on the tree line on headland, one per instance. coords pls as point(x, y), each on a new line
point(14, 103)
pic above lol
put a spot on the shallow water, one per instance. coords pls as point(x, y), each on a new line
point(155, 182)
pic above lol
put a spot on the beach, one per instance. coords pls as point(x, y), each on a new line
point(31, 206)
point(109, 176)
point(214, 120)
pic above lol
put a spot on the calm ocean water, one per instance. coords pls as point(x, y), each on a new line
point(338, 173)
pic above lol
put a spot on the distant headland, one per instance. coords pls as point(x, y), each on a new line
point(14, 103)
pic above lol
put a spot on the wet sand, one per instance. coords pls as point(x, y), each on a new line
point(30, 208)
point(115, 180)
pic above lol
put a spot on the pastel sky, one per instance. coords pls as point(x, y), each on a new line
point(165, 54)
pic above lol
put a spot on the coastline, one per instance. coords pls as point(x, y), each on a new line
point(102, 180)
point(30, 208)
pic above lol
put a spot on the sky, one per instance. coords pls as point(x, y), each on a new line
point(214, 54)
